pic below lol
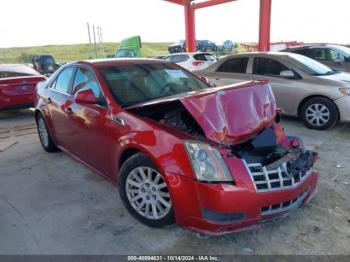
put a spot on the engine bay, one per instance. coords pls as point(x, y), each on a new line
point(173, 115)
point(263, 148)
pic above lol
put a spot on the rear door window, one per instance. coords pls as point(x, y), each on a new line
point(267, 67)
point(204, 57)
point(179, 58)
point(305, 52)
point(63, 81)
point(235, 65)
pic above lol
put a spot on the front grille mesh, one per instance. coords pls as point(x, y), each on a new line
point(284, 206)
point(269, 180)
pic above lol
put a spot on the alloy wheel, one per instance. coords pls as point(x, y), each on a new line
point(43, 134)
point(147, 193)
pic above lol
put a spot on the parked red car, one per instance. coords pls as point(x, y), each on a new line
point(17, 86)
point(213, 160)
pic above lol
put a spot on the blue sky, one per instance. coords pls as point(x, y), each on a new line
point(43, 22)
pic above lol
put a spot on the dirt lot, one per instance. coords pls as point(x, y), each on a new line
point(50, 204)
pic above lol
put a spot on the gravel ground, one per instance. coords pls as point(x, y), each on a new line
point(51, 204)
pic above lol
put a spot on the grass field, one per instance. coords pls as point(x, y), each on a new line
point(66, 53)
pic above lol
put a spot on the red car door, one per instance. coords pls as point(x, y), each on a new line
point(91, 136)
point(58, 100)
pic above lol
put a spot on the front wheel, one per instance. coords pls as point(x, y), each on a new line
point(144, 192)
point(319, 113)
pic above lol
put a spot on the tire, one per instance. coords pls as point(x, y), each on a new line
point(319, 113)
point(44, 135)
point(138, 180)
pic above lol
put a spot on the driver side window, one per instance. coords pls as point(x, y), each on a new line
point(85, 79)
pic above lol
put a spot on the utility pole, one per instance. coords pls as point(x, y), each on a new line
point(101, 42)
point(93, 27)
point(90, 47)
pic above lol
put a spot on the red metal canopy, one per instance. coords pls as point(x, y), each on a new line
point(191, 5)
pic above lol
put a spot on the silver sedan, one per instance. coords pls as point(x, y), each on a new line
point(303, 87)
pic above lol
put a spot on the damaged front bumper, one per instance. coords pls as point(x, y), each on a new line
point(226, 208)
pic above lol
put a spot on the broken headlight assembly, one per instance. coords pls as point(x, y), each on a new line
point(207, 162)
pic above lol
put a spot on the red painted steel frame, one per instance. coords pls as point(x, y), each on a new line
point(190, 7)
point(190, 29)
point(265, 25)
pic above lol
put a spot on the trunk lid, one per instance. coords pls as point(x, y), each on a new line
point(18, 86)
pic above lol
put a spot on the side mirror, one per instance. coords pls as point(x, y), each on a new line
point(287, 74)
point(86, 96)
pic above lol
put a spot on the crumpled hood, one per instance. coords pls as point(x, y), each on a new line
point(235, 113)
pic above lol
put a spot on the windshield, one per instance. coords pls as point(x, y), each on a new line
point(345, 50)
point(138, 83)
point(309, 65)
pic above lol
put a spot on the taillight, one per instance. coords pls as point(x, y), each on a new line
point(197, 63)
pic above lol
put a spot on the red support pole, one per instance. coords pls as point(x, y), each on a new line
point(265, 25)
point(190, 28)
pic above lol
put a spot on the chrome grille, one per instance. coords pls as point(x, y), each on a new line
point(284, 206)
point(276, 179)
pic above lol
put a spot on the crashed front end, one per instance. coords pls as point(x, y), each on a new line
point(245, 170)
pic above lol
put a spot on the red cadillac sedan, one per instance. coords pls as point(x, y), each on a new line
point(17, 86)
point(211, 159)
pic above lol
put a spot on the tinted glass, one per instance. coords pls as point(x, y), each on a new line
point(63, 80)
point(321, 54)
point(132, 84)
point(85, 79)
point(344, 50)
point(306, 52)
point(266, 66)
point(235, 65)
point(179, 58)
point(204, 57)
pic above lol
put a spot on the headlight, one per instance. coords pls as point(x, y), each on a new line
point(345, 91)
point(207, 162)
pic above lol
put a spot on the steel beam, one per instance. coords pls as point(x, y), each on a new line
point(209, 3)
point(190, 28)
point(265, 25)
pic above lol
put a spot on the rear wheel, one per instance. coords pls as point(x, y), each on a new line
point(319, 113)
point(144, 192)
point(44, 135)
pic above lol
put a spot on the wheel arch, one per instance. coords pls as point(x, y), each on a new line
point(314, 96)
point(126, 154)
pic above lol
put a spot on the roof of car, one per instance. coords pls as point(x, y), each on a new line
point(273, 53)
point(310, 46)
point(113, 61)
point(189, 53)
